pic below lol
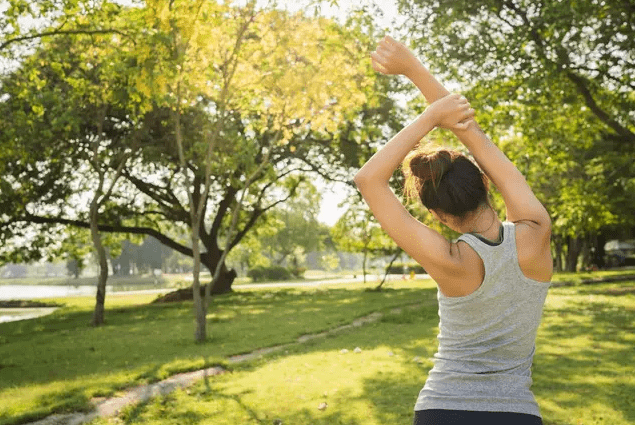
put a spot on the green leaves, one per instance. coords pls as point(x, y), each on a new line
point(548, 84)
point(259, 86)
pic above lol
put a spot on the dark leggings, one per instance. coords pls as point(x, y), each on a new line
point(461, 417)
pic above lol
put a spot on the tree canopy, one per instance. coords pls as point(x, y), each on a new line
point(552, 81)
point(297, 85)
point(202, 105)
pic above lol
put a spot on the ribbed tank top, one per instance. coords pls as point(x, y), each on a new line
point(487, 338)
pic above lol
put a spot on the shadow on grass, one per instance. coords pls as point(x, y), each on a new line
point(237, 400)
point(582, 370)
point(164, 406)
point(584, 351)
point(251, 415)
point(386, 397)
point(391, 392)
point(628, 290)
point(421, 313)
point(584, 358)
point(73, 400)
point(150, 375)
point(148, 342)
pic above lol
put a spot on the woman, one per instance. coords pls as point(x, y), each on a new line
point(492, 281)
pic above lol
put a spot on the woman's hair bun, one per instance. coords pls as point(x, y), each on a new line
point(444, 179)
point(431, 167)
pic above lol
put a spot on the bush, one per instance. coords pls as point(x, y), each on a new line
point(297, 271)
point(260, 274)
point(398, 268)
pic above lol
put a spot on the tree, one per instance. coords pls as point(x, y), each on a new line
point(24, 23)
point(268, 77)
point(358, 231)
point(518, 44)
point(553, 82)
point(286, 105)
point(86, 71)
point(296, 230)
point(107, 158)
point(573, 186)
point(187, 58)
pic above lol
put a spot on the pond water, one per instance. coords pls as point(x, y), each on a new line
point(29, 292)
point(13, 314)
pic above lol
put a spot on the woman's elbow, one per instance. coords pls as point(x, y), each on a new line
point(543, 220)
point(360, 179)
point(547, 222)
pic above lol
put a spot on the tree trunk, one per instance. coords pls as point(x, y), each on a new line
point(397, 254)
point(200, 313)
point(224, 282)
point(574, 246)
point(587, 257)
point(557, 256)
point(98, 314)
point(222, 286)
point(600, 240)
point(226, 278)
point(364, 264)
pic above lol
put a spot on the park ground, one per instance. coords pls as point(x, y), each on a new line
point(583, 369)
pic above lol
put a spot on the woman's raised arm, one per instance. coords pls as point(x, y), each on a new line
point(392, 57)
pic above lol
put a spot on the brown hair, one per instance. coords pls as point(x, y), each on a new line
point(444, 180)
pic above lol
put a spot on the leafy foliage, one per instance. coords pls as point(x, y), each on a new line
point(552, 82)
point(281, 97)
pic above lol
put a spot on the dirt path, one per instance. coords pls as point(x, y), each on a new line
point(112, 406)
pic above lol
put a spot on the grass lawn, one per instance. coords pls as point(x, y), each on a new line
point(58, 363)
point(583, 371)
point(583, 368)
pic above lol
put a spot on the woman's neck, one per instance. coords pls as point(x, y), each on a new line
point(485, 223)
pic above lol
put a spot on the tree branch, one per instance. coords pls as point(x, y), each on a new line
point(60, 32)
point(166, 200)
point(111, 229)
point(603, 74)
point(325, 176)
point(252, 220)
point(563, 65)
point(257, 213)
point(223, 206)
point(582, 85)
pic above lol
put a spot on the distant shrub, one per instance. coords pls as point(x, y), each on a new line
point(297, 271)
point(260, 274)
point(399, 268)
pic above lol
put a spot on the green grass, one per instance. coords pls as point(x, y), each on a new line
point(583, 370)
point(58, 363)
point(577, 278)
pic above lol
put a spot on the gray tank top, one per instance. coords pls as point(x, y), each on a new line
point(487, 338)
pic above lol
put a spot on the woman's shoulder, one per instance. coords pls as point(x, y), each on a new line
point(468, 277)
point(533, 245)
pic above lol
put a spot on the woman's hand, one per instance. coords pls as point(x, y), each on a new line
point(452, 112)
point(393, 58)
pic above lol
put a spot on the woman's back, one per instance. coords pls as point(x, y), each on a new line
point(487, 338)
point(534, 260)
